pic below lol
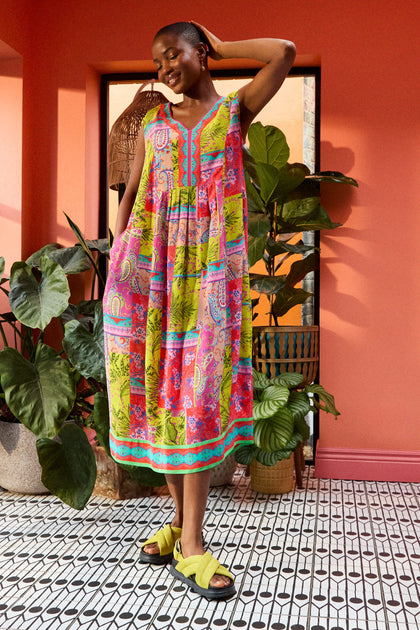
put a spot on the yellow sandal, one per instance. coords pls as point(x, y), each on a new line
point(165, 538)
point(197, 571)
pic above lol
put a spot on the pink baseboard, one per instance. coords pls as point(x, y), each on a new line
point(367, 465)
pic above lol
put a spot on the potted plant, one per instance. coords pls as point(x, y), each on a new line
point(57, 393)
point(280, 406)
point(283, 201)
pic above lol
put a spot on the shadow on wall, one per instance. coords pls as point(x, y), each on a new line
point(344, 306)
point(339, 199)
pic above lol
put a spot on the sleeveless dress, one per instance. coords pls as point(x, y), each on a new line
point(177, 308)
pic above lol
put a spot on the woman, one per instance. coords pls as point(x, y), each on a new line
point(177, 305)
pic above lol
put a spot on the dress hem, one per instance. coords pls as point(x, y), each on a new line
point(184, 471)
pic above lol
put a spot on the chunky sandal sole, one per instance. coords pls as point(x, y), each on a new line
point(159, 559)
point(155, 558)
point(212, 592)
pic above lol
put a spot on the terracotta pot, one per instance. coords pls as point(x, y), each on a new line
point(20, 470)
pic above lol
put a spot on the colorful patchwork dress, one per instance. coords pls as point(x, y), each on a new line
point(177, 312)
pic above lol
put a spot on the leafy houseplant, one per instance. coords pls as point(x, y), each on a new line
point(283, 201)
point(57, 393)
point(280, 406)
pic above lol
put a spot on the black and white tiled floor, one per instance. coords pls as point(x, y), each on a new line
point(335, 555)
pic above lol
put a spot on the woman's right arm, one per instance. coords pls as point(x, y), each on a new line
point(130, 194)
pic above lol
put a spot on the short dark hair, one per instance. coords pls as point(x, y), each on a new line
point(183, 29)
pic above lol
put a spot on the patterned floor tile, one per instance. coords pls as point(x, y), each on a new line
point(334, 555)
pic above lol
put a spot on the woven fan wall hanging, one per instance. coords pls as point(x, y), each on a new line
point(123, 135)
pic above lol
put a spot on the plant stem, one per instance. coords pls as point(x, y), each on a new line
point(6, 345)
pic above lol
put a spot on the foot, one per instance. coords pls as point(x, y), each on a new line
point(153, 548)
point(188, 549)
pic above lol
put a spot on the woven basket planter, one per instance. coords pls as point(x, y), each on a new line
point(278, 349)
point(277, 479)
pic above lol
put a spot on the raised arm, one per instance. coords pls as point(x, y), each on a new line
point(278, 56)
point(130, 193)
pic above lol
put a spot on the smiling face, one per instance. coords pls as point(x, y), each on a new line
point(178, 63)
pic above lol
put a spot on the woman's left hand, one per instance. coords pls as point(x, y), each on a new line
point(212, 41)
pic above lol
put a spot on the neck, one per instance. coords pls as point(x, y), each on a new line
point(202, 93)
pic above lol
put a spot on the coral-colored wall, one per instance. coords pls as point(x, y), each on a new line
point(369, 59)
point(10, 158)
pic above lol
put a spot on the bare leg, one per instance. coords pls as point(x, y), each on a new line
point(196, 488)
point(175, 485)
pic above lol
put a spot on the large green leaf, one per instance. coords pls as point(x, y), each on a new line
point(100, 245)
point(276, 392)
point(36, 303)
point(254, 202)
point(316, 220)
point(71, 259)
point(298, 208)
point(289, 177)
point(298, 405)
point(266, 284)
point(273, 433)
point(270, 459)
point(245, 454)
point(33, 260)
point(69, 467)
point(287, 298)
point(85, 350)
point(256, 247)
point(2, 263)
point(268, 144)
point(40, 394)
point(265, 409)
point(274, 248)
point(88, 307)
point(302, 428)
point(334, 177)
point(259, 380)
point(294, 441)
point(70, 313)
point(288, 379)
point(266, 458)
point(300, 268)
point(326, 400)
point(100, 418)
point(268, 176)
point(258, 224)
point(249, 165)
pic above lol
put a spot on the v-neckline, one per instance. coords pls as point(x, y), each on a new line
point(189, 129)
